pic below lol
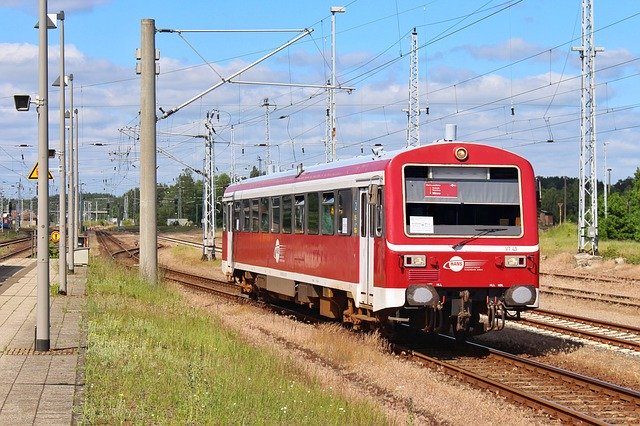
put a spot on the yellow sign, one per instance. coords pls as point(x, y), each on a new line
point(34, 173)
point(55, 236)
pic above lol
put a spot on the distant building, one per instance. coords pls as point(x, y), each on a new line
point(545, 218)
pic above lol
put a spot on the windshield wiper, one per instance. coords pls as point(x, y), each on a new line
point(482, 232)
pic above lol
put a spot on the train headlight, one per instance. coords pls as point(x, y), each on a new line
point(515, 261)
point(415, 260)
point(461, 153)
point(520, 295)
point(422, 295)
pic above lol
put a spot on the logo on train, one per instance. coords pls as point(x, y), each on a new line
point(278, 252)
point(457, 264)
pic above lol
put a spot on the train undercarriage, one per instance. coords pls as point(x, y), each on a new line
point(461, 312)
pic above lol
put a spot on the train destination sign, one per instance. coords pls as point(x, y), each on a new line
point(441, 189)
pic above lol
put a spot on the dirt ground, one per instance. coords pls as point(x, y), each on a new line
point(360, 367)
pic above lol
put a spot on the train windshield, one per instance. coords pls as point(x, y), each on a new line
point(460, 201)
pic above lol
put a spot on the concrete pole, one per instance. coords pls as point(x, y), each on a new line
point(332, 90)
point(76, 185)
point(62, 244)
point(72, 226)
point(42, 343)
point(148, 230)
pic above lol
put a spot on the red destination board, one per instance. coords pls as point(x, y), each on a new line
point(441, 189)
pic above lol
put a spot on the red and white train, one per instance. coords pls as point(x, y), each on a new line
point(438, 236)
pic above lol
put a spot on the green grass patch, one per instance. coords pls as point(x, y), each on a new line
point(151, 359)
point(564, 239)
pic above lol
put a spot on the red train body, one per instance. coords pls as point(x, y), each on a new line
point(436, 236)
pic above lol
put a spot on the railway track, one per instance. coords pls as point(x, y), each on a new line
point(565, 395)
point(15, 247)
point(618, 299)
point(600, 278)
point(618, 335)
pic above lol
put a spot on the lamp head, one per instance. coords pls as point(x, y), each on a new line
point(22, 102)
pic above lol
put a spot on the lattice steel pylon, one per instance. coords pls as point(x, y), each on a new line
point(588, 202)
point(209, 195)
point(413, 129)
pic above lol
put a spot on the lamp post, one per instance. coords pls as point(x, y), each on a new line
point(42, 343)
point(72, 197)
point(62, 243)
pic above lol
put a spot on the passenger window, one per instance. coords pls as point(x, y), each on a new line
point(313, 210)
point(225, 218)
point(236, 216)
point(328, 213)
point(255, 218)
point(275, 215)
point(246, 216)
point(286, 214)
point(264, 214)
point(344, 212)
point(299, 214)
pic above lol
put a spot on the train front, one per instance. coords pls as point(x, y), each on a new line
point(462, 236)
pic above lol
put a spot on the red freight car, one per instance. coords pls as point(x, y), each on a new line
point(438, 236)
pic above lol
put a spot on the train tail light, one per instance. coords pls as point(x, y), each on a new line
point(422, 295)
point(520, 295)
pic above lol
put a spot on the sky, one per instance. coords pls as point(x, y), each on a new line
point(502, 71)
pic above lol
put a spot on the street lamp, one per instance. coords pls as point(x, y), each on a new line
point(61, 82)
point(43, 323)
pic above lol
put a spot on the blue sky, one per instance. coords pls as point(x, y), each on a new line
point(478, 59)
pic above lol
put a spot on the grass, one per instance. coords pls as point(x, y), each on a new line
point(153, 360)
point(564, 238)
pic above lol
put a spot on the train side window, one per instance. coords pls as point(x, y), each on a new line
point(286, 214)
point(236, 216)
point(313, 213)
point(298, 216)
point(379, 215)
point(225, 218)
point(264, 215)
point(275, 215)
point(328, 213)
point(364, 205)
point(246, 216)
point(344, 212)
point(255, 215)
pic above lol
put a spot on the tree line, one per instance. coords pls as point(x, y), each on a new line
point(559, 196)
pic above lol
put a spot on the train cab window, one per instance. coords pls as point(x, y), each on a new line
point(313, 213)
point(236, 216)
point(344, 212)
point(328, 213)
point(286, 213)
point(298, 214)
point(275, 215)
point(264, 215)
point(462, 200)
point(225, 217)
point(255, 215)
point(246, 216)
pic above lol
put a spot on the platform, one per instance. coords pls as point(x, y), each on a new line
point(40, 387)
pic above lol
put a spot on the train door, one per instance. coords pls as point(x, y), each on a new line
point(366, 247)
point(230, 228)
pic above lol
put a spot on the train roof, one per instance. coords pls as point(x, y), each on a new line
point(353, 166)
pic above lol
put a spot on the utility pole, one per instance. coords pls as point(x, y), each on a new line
point(267, 136)
point(43, 320)
point(62, 244)
point(413, 112)
point(72, 200)
point(209, 195)
point(588, 202)
point(606, 186)
point(332, 90)
point(233, 156)
point(148, 179)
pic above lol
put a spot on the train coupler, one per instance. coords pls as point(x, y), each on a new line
point(496, 313)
